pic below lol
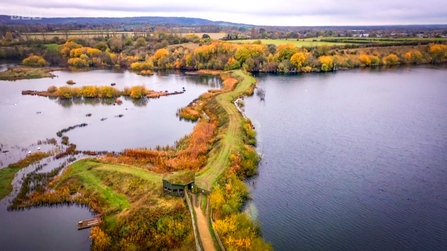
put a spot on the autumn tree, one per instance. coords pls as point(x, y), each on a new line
point(391, 59)
point(298, 60)
point(366, 60)
point(115, 44)
point(34, 61)
point(327, 63)
point(100, 240)
point(285, 51)
point(160, 56)
point(101, 46)
point(250, 50)
point(438, 52)
point(141, 42)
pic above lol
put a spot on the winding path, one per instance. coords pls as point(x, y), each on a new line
point(232, 139)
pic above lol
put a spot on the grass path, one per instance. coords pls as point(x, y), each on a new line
point(233, 136)
point(147, 175)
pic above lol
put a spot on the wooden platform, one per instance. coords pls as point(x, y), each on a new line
point(89, 223)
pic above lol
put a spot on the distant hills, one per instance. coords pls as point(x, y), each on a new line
point(8, 20)
point(178, 21)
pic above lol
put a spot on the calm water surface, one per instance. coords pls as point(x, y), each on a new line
point(26, 119)
point(353, 160)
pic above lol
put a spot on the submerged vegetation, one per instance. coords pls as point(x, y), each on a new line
point(16, 73)
point(7, 174)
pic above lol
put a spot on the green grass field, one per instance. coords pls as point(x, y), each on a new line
point(94, 174)
point(300, 43)
point(53, 47)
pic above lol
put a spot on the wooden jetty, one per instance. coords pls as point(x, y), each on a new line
point(89, 223)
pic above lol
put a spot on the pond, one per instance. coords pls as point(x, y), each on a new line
point(352, 160)
point(145, 123)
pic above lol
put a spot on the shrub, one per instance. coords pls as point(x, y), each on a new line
point(366, 61)
point(391, 59)
point(52, 89)
point(374, 60)
point(139, 66)
point(34, 61)
point(138, 91)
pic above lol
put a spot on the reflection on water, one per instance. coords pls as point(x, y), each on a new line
point(354, 160)
point(146, 123)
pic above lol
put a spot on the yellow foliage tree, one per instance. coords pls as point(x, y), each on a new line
point(250, 50)
point(327, 63)
point(34, 61)
point(298, 60)
point(391, 59)
point(285, 51)
point(366, 61)
point(438, 52)
point(100, 240)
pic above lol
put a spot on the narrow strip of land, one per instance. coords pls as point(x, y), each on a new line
point(217, 163)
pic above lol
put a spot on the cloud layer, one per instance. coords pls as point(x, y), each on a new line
point(278, 12)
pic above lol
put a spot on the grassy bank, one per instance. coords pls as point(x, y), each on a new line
point(17, 73)
point(7, 174)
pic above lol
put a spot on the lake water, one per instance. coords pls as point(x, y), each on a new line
point(26, 119)
point(352, 160)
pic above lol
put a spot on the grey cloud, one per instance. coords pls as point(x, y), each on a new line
point(396, 11)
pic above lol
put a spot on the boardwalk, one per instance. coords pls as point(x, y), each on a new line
point(89, 223)
point(202, 224)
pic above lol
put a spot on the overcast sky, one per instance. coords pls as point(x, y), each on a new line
point(260, 12)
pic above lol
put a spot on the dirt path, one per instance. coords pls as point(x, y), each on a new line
point(204, 231)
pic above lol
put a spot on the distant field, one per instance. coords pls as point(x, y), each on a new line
point(381, 40)
point(96, 33)
point(212, 35)
point(80, 33)
point(190, 46)
point(53, 47)
point(300, 43)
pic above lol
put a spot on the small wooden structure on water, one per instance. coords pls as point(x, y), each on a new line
point(175, 184)
point(89, 223)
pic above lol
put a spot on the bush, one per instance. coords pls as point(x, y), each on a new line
point(52, 89)
point(34, 61)
point(138, 91)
